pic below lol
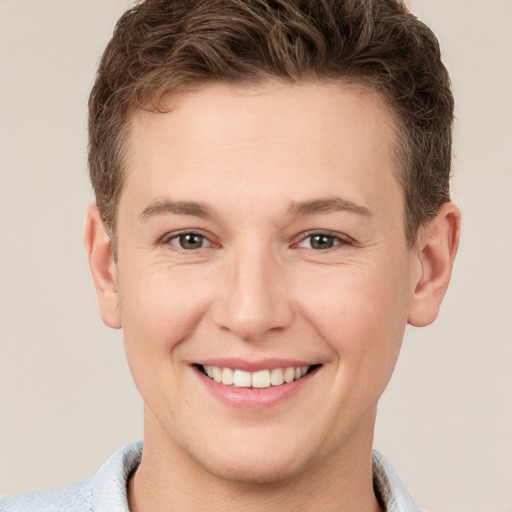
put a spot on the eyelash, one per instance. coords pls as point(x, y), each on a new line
point(334, 239)
point(167, 240)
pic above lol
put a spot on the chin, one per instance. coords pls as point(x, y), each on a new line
point(252, 472)
point(253, 463)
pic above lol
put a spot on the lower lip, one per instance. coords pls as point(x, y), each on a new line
point(255, 398)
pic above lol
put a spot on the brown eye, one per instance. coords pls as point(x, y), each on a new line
point(188, 241)
point(322, 241)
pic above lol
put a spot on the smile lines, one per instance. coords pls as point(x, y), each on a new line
point(260, 379)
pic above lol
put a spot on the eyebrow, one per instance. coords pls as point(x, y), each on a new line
point(164, 206)
point(197, 209)
point(332, 204)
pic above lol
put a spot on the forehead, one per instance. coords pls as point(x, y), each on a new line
point(274, 139)
point(212, 108)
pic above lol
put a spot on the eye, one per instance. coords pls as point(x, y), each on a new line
point(321, 241)
point(189, 241)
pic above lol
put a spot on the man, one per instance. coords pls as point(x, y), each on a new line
point(272, 208)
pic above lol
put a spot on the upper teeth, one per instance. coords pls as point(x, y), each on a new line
point(259, 379)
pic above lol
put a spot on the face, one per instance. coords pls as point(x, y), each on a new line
point(263, 275)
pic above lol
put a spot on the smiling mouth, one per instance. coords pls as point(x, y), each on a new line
point(260, 379)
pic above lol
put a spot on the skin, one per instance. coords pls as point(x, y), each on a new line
point(266, 164)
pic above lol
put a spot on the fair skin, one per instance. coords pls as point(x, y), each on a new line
point(261, 229)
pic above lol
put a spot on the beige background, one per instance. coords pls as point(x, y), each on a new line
point(66, 397)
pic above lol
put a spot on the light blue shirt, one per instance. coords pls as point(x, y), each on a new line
point(106, 492)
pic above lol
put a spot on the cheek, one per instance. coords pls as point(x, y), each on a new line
point(160, 308)
point(360, 311)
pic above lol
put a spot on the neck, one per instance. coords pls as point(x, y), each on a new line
point(173, 482)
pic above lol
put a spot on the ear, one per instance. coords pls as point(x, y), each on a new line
point(435, 252)
point(103, 267)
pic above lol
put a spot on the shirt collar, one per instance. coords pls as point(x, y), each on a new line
point(388, 487)
point(110, 482)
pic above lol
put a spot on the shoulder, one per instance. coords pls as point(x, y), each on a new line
point(106, 491)
point(76, 497)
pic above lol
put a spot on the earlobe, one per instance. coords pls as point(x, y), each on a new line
point(103, 266)
point(435, 252)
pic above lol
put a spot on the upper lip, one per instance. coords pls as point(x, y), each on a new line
point(253, 365)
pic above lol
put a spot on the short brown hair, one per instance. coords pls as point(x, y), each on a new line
point(162, 46)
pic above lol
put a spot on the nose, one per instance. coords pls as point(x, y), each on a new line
point(253, 300)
